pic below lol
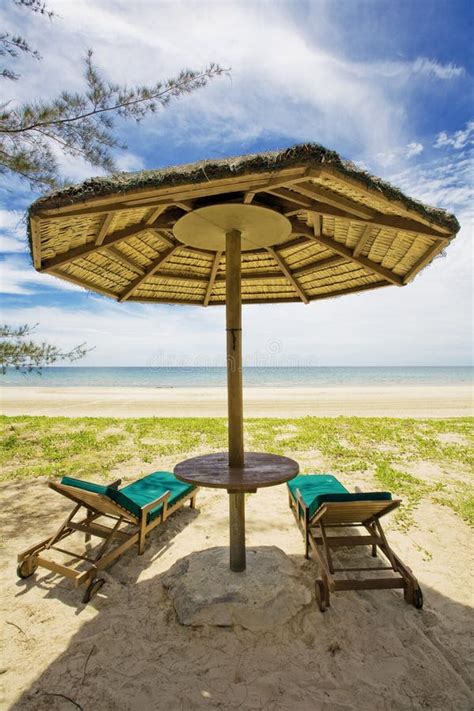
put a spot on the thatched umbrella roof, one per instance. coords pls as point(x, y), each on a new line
point(348, 231)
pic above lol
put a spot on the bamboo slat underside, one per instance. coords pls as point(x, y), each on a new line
point(291, 278)
point(149, 272)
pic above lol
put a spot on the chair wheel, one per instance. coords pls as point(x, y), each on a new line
point(93, 587)
point(26, 568)
point(320, 592)
point(418, 598)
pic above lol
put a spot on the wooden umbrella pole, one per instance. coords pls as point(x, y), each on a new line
point(234, 394)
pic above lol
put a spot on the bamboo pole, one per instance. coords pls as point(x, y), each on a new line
point(237, 532)
point(234, 395)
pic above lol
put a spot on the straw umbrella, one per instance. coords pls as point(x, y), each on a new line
point(297, 225)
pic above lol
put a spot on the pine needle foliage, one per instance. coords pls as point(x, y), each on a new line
point(19, 352)
point(78, 124)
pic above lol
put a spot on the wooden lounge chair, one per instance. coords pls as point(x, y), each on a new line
point(321, 503)
point(135, 510)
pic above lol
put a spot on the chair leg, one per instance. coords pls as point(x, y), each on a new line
point(142, 536)
point(411, 588)
point(101, 552)
point(192, 502)
point(326, 590)
point(322, 593)
point(408, 592)
point(141, 543)
point(327, 550)
point(373, 532)
point(90, 517)
point(62, 527)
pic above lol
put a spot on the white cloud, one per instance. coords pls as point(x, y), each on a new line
point(458, 139)
point(420, 68)
point(12, 231)
point(285, 82)
point(445, 183)
point(413, 149)
point(19, 277)
point(431, 67)
point(389, 158)
point(128, 161)
point(282, 83)
point(166, 335)
point(386, 158)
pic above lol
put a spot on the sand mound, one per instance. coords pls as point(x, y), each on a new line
point(204, 591)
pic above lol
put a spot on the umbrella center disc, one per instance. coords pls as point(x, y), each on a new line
point(206, 227)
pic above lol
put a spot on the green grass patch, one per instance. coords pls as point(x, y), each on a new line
point(409, 487)
point(377, 448)
point(459, 496)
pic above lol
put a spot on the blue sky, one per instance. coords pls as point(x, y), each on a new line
point(387, 84)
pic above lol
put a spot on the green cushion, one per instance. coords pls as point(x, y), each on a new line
point(125, 502)
point(313, 486)
point(85, 485)
point(317, 489)
point(140, 493)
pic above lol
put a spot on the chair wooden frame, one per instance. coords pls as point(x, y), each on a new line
point(127, 530)
point(352, 514)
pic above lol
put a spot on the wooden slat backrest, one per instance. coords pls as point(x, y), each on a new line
point(353, 511)
point(95, 502)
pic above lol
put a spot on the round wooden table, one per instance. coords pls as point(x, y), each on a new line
point(259, 470)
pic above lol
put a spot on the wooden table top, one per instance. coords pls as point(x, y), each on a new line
point(260, 469)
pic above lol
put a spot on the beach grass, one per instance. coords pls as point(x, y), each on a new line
point(414, 459)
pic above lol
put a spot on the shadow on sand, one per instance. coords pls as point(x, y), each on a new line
point(124, 571)
point(368, 651)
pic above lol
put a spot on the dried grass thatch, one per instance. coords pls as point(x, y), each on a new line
point(350, 231)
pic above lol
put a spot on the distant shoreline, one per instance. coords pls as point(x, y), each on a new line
point(418, 401)
point(178, 377)
point(273, 386)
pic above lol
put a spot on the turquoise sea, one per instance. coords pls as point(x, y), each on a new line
point(183, 377)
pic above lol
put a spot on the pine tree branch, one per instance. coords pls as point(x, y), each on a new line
point(79, 124)
point(36, 6)
point(178, 87)
point(26, 356)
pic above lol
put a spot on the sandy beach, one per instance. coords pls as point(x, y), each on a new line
point(394, 401)
point(126, 650)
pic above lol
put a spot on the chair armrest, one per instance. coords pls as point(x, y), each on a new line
point(161, 499)
point(115, 484)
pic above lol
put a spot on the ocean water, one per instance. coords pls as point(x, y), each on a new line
point(182, 377)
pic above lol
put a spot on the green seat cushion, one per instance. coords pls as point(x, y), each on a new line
point(318, 489)
point(313, 486)
point(142, 492)
point(85, 485)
